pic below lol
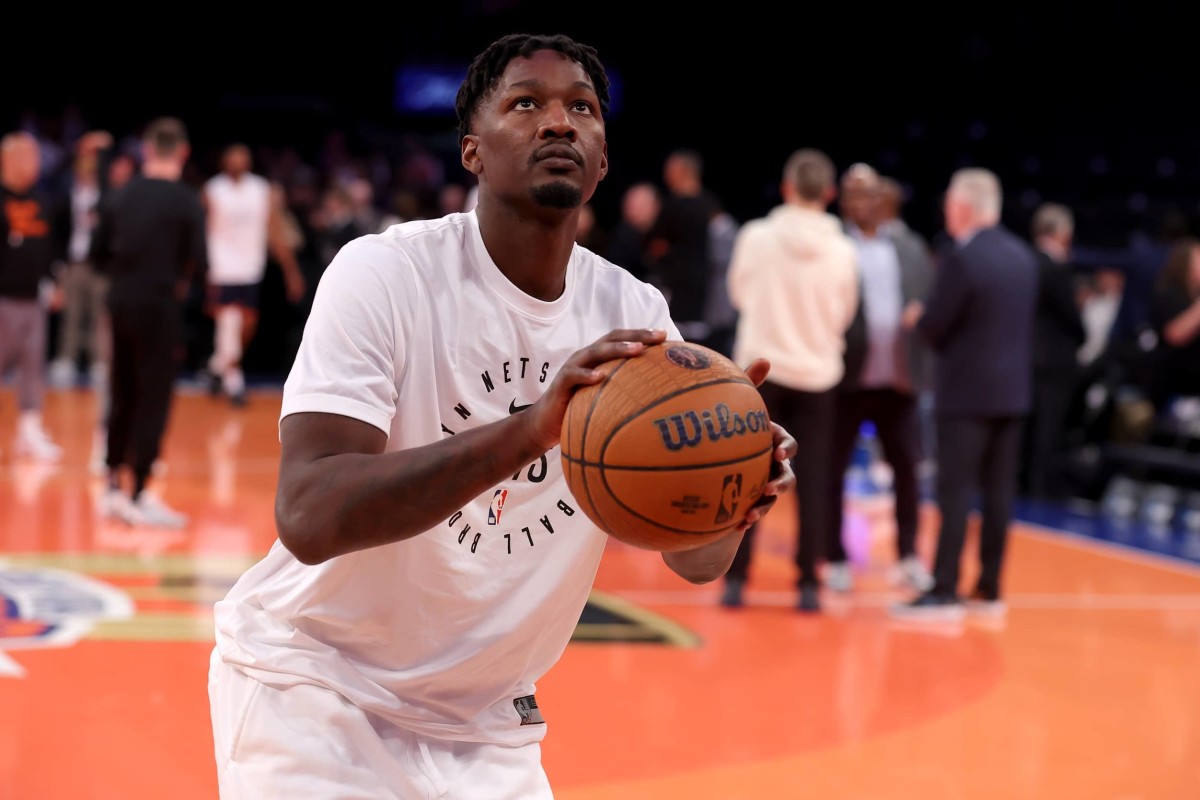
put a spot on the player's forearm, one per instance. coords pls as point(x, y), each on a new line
point(351, 501)
point(706, 563)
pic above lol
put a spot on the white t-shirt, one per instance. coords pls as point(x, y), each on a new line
point(417, 332)
point(239, 214)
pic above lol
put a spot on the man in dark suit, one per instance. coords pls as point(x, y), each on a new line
point(1058, 335)
point(979, 320)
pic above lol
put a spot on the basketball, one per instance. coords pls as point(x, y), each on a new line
point(670, 450)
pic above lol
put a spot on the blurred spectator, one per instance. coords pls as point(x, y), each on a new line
point(243, 229)
point(1100, 298)
point(719, 313)
point(150, 240)
point(794, 281)
point(1058, 335)
point(31, 246)
point(1175, 316)
point(885, 369)
point(893, 224)
point(628, 243)
point(979, 321)
point(83, 331)
point(368, 217)
point(588, 232)
point(679, 243)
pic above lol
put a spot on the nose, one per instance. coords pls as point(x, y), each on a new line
point(556, 122)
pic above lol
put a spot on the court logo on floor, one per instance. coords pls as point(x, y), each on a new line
point(610, 619)
point(42, 608)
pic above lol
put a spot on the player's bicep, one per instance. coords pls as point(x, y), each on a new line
point(307, 437)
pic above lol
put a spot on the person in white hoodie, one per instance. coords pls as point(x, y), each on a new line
point(793, 279)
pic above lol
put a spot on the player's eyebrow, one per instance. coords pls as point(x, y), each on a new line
point(534, 82)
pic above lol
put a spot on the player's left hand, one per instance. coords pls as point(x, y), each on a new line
point(782, 478)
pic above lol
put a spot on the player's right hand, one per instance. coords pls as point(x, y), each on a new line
point(545, 417)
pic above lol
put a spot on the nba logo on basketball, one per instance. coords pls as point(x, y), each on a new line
point(497, 506)
point(731, 492)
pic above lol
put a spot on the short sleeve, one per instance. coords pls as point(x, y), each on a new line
point(351, 351)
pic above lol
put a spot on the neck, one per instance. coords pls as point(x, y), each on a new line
point(159, 168)
point(532, 252)
point(810, 205)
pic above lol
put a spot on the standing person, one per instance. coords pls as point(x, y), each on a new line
point(885, 371)
point(893, 224)
point(1175, 314)
point(116, 169)
point(393, 620)
point(242, 229)
point(83, 330)
point(979, 321)
point(150, 242)
point(679, 243)
point(1058, 335)
point(794, 282)
point(31, 245)
point(640, 205)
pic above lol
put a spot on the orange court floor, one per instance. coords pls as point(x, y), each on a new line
point(1089, 689)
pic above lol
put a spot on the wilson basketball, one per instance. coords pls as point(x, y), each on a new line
point(670, 450)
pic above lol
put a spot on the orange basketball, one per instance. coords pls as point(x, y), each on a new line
point(670, 450)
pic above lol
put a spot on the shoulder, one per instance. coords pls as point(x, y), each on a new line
point(609, 281)
point(429, 250)
point(428, 241)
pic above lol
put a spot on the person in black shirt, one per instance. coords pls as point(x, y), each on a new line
point(31, 244)
point(1057, 336)
point(150, 242)
point(679, 241)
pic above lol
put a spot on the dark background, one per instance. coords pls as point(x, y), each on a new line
point(1086, 104)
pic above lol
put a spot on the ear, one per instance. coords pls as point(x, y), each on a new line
point(470, 154)
point(830, 194)
point(603, 161)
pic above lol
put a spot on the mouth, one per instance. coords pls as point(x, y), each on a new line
point(558, 156)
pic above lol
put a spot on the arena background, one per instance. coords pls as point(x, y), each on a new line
point(1085, 105)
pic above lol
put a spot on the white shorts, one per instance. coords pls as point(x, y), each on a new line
point(306, 741)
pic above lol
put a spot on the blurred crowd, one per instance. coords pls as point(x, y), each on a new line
point(1117, 351)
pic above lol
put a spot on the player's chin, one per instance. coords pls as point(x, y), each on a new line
point(560, 192)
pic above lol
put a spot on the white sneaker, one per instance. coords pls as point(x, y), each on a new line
point(839, 576)
point(990, 607)
point(912, 572)
point(115, 504)
point(154, 512)
point(37, 445)
point(61, 374)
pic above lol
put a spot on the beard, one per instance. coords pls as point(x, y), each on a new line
point(557, 195)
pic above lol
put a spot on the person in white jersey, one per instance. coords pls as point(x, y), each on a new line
point(242, 231)
point(390, 642)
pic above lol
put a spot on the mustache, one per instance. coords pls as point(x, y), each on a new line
point(557, 150)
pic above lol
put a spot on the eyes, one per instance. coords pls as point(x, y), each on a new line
point(580, 106)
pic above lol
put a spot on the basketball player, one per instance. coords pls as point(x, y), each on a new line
point(242, 229)
point(390, 642)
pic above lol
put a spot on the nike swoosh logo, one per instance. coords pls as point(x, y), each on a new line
point(514, 408)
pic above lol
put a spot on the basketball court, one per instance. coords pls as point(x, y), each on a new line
point(1089, 689)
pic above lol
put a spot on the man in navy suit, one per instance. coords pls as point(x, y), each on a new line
point(979, 320)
